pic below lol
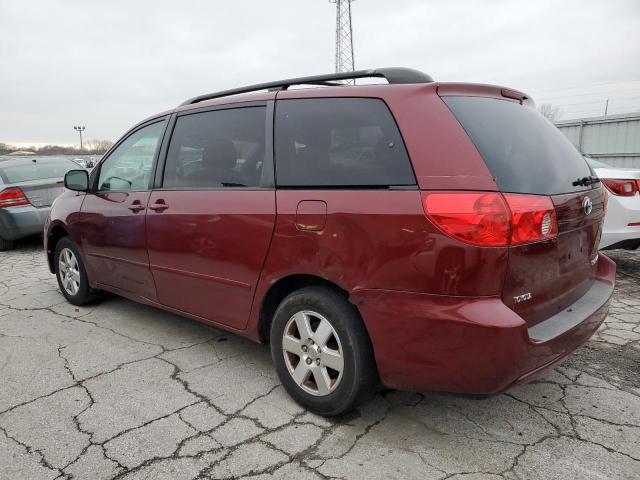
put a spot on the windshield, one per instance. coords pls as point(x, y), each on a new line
point(523, 150)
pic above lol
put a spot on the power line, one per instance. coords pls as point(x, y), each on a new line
point(597, 107)
point(596, 112)
point(587, 94)
point(587, 85)
point(561, 104)
point(583, 106)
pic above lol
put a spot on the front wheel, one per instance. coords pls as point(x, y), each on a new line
point(322, 352)
point(71, 273)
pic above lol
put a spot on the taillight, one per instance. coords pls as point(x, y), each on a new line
point(621, 187)
point(478, 218)
point(12, 197)
point(492, 219)
point(533, 218)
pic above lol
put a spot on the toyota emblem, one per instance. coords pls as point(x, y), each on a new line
point(587, 205)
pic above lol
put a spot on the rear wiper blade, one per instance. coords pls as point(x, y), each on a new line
point(585, 181)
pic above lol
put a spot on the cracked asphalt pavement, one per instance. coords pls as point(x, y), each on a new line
point(121, 390)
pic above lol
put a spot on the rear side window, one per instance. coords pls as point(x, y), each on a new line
point(217, 149)
point(522, 149)
point(339, 142)
point(38, 170)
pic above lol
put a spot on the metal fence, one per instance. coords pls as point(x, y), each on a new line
point(614, 140)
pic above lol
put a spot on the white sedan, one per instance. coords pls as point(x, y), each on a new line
point(622, 222)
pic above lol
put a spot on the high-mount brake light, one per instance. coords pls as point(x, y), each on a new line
point(13, 197)
point(621, 187)
point(492, 219)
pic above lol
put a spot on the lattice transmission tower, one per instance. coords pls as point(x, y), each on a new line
point(344, 37)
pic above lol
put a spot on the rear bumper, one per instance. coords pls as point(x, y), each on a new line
point(22, 221)
point(473, 345)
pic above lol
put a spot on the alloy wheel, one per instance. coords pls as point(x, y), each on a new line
point(313, 353)
point(69, 271)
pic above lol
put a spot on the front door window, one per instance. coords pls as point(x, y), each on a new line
point(128, 168)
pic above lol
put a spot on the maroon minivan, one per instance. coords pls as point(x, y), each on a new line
point(422, 235)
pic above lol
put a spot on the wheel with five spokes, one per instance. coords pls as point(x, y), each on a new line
point(322, 351)
point(71, 273)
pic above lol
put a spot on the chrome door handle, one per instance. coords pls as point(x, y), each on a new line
point(158, 207)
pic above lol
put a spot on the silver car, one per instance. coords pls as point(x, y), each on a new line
point(28, 187)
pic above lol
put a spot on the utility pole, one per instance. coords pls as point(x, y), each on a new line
point(344, 37)
point(79, 129)
point(606, 108)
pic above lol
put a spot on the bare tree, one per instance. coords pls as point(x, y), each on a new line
point(550, 111)
point(98, 147)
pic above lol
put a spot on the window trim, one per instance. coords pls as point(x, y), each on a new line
point(95, 173)
point(267, 181)
point(413, 186)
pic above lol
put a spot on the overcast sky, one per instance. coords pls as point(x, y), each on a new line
point(109, 64)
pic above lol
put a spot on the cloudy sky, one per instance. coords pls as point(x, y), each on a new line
point(108, 64)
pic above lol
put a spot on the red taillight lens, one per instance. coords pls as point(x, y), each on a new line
point(12, 197)
point(491, 219)
point(533, 218)
point(621, 187)
point(478, 218)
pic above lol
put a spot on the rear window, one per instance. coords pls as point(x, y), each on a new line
point(523, 150)
point(38, 170)
point(339, 142)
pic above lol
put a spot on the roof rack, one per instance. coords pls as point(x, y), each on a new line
point(393, 75)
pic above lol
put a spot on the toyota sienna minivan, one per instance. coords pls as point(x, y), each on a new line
point(414, 234)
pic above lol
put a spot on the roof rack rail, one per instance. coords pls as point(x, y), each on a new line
point(393, 75)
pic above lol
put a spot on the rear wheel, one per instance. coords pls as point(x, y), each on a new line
point(322, 351)
point(5, 244)
point(71, 273)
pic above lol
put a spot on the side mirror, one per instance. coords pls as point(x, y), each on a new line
point(77, 180)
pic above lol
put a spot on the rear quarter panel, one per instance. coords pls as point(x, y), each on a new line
point(376, 239)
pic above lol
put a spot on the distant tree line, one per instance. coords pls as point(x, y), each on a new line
point(92, 147)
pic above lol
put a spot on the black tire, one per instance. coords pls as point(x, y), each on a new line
point(5, 245)
point(84, 294)
point(358, 378)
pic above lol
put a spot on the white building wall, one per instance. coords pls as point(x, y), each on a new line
point(614, 140)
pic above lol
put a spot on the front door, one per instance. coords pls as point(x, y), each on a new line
point(113, 216)
point(210, 220)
